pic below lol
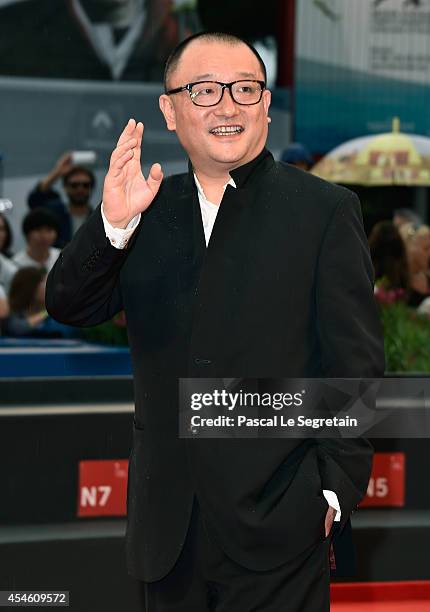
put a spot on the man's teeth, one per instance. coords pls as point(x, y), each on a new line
point(230, 129)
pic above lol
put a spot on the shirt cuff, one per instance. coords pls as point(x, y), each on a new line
point(117, 236)
point(333, 501)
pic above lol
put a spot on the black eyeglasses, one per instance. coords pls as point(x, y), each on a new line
point(210, 93)
point(76, 184)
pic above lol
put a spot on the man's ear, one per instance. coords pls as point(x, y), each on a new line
point(267, 98)
point(168, 110)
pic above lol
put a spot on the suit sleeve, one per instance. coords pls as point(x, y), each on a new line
point(351, 342)
point(83, 287)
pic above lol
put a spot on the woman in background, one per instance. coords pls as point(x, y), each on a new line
point(417, 243)
point(7, 266)
point(28, 316)
point(389, 256)
point(5, 236)
point(4, 305)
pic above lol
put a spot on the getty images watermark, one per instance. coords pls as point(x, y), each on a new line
point(303, 408)
point(277, 401)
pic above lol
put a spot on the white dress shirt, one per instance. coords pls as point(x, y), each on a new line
point(120, 237)
point(23, 260)
point(7, 271)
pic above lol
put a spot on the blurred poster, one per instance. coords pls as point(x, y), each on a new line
point(110, 40)
point(358, 64)
point(256, 22)
point(119, 40)
point(400, 39)
point(72, 72)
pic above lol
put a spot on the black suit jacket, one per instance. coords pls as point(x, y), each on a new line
point(284, 289)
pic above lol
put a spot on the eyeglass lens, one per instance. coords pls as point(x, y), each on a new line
point(243, 92)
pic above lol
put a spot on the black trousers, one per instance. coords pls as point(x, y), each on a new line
point(204, 579)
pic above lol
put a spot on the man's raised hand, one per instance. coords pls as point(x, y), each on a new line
point(126, 192)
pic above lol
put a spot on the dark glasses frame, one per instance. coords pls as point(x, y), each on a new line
point(189, 86)
point(76, 184)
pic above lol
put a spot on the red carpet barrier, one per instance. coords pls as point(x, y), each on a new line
point(102, 485)
point(413, 590)
point(381, 597)
point(102, 488)
point(387, 482)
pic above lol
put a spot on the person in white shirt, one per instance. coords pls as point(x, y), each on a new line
point(7, 266)
point(4, 306)
point(40, 229)
point(7, 272)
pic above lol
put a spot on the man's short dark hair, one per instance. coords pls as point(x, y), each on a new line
point(37, 218)
point(231, 39)
point(79, 170)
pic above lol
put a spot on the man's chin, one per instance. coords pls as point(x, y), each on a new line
point(228, 154)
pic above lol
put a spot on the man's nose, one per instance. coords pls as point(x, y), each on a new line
point(227, 106)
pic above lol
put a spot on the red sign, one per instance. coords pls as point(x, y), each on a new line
point(102, 488)
point(387, 482)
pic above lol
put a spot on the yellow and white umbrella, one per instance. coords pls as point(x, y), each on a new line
point(392, 158)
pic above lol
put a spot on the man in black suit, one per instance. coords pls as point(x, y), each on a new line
point(241, 268)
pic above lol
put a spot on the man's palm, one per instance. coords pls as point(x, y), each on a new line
point(126, 192)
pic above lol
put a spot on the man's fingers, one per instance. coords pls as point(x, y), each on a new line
point(139, 133)
point(118, 164)
point(127, 132)
point(120, 149)
point(155, 172)
point(329, 519)
point(154, 178)
point(131, 136)
point(65, 158)
point(128, 144)
point(64, 162)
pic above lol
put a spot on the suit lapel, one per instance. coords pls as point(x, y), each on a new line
point(212, 275)
point(229, 217)
point(183, 217)
point(227, 256)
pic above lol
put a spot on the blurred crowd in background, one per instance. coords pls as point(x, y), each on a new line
point(341, 73)
point(399, 247)
point(47, 227)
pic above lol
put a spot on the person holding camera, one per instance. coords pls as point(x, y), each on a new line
point(78, 184)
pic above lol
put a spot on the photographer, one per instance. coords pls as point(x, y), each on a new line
point(78, 183)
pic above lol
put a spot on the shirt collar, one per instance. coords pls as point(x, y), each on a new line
point(241, 174)
point(200, 188)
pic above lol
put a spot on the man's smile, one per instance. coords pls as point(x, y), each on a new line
point(227, 130)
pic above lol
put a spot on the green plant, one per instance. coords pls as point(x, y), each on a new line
point(113, 332)
point(406, 338)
